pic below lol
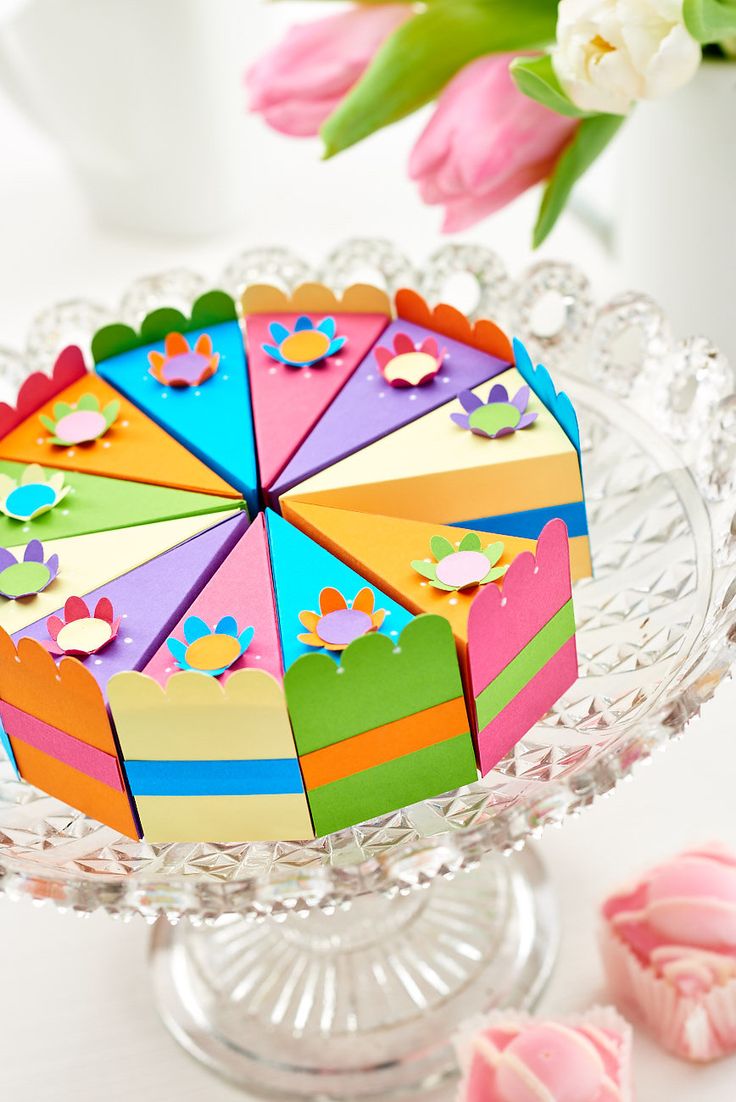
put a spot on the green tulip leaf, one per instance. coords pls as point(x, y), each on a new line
point(590, 139)
point(710, 20)
point(537, 79)
point(421, 56)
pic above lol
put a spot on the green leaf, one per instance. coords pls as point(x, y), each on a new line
point(419, 58)
point(537, 79)
point(591, 138)
point(710, 20)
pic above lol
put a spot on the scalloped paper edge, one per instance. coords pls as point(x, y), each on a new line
point(315, 298)
point(211, 308)
point(557, 402)
point(38, 388)
point(483, 334)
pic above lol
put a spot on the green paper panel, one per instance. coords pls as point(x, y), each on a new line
point(376, 684)
point(396, 784)
point(98, 504)
point(520, 671)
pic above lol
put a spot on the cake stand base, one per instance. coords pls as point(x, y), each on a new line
point(360, 1003)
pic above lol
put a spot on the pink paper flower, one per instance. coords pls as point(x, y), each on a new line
point(485, 144)
point(300, 83)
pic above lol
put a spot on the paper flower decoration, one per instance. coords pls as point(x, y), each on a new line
point(82, 423)
point(210, 650)
point(32, 494)
point(29, 576)
point(306, 345)
point(337, 623)
point(409, 364)
point(498, 416)
point(463, 566)
point(81, 632)
point(179, 365)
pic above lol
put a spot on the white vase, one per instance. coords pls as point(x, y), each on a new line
point(145, 98)
point(674, 231)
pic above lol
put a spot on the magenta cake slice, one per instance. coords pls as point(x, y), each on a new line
point(241, 588)
point(290, 392)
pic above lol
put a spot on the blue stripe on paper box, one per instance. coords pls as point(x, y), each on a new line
point(530, 522)
point(263, 777)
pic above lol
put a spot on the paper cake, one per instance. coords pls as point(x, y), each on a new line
point(177, 662)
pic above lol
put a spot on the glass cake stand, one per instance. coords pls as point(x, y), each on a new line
point(320, 969)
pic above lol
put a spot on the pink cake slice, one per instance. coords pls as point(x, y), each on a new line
point(288, 401)
point(510, 1057)
point(669, 948)
point(521, 645)
point(241, 588)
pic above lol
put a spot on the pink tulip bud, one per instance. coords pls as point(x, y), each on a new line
point(301, 81)
point(485, 144)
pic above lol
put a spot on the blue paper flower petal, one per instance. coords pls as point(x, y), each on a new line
point(336, 345)
point(178, 650)
point(272, 351)
point(228, 625)
point(328, 327)
point(245, 639)
point(195, 628)
point(303, 322)
point(278, 332)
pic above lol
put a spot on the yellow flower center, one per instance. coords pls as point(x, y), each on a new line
point(306, 346)
point(213, 652)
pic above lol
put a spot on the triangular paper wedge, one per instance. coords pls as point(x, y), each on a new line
point(150, 598)
point(433, 470)
point(369, 408)
point(211, 418)
point(96, 504)
point(240, 587)
point(383, 549)
point(289, 400)
point(87, 562)
point(302, 569)
point(133, 447)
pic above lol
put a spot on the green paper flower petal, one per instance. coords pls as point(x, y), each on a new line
point(437, 584)
point(470, 542)
point(493, 575)
point(48, 422)
point(493, 552)
point(111, 411)
point(61, 409)
point(426, 569)
point(88, 402)
point(441, 547)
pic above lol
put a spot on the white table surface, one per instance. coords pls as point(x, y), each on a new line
point(78, 1022)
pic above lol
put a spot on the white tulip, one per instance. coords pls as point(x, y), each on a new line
point(611, 53)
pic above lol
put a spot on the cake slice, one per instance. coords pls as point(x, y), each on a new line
point(147, 601)
point(75, 421)
point(323, 604)
point(385, 728)
point(446, 468)
point(31, 505)
point(189, 375)
point(209, 750)
point(84, 563)
point(517, 661)
point(302, 350)
point(423, 359)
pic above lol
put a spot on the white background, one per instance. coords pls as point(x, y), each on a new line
point(77, 1019)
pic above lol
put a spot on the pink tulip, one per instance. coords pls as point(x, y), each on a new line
point(485, 144)
point(300, 83)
